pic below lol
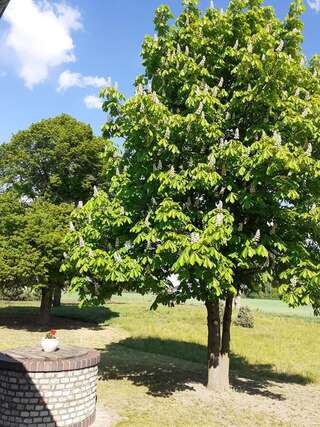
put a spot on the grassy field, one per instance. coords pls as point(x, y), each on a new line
point(153, 363)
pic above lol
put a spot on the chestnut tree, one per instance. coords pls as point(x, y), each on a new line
point(218, 183)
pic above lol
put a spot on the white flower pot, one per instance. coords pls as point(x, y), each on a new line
point(49, 344)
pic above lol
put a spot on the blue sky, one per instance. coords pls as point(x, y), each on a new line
point(53, 55)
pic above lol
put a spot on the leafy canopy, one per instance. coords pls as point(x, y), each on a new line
point(218, 183)
point(57, 158)
point(31, 242)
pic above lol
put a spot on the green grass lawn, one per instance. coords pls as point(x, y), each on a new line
point(154, 363)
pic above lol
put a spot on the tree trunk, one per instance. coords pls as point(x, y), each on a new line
point(46, 304)
point(218, 346)
point(57, 297)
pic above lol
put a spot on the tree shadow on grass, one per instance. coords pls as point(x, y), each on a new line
point(68, 316)
point(161, 366)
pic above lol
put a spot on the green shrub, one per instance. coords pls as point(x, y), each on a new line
point(245, 318)
point(16, 294)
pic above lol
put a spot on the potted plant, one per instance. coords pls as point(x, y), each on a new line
point(50, 342)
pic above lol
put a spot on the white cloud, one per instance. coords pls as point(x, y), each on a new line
point(93, 102)
point(40, 36)
point(314, 4)
point(69, 79)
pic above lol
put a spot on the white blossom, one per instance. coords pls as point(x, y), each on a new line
point(228, 115)
point(219, 218)
point(187, 50)
point(81, 242)
point(249, 87)
point(294, 281)
point(159, 164)
point(71, 226)
point(236, 134)
point(250, 48)
point(65, 255)
point(122, 211)
point(117, 242)
point(221, 82)
point(155, 98)
point(172, 171)
point(146, 221)
point(309, 149)
point(154, 167)
point(95, 191)
point(257, 236)
point(142, 107)
point(263, 57)
point(315, 73)
point(140, 90)
point(305, 112)
point(270, 223)
point(117, 257)
point(80, 204)
point(200, 109)
point(219, 205)
point(297, 93)
point(215, 91)
point(212, 162)
point(277, 138)
point(128, 245)
point(178, 48)
point(168, 133)
point(194, 237)
point(203, 61)
point(222, 143)
point(117, 171)
point(280, 47)
point(236, 45)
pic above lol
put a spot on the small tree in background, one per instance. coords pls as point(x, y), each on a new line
point(51, 166)
point(31, 247)
point(219, 179)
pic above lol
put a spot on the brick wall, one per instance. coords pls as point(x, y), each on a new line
point(48, 399)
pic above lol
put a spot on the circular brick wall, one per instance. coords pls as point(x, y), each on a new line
point(48, 389)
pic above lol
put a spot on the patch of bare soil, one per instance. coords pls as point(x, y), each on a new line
point(295, 405)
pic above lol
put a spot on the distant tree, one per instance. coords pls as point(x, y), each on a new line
point(31, 247)
point(57, 158)
point(219, 178)
point(56, 161)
